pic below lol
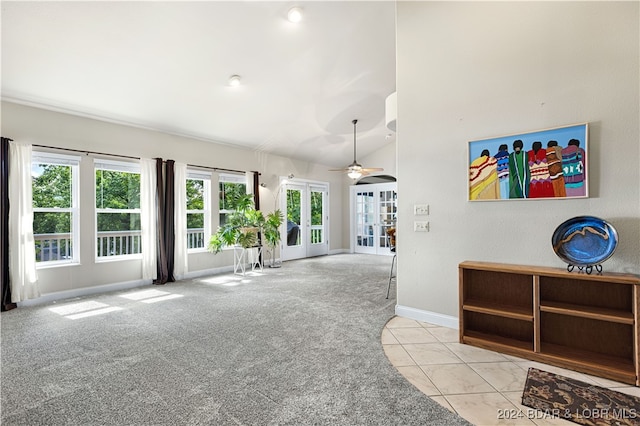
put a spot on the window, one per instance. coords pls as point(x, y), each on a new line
point(198, 209)
point(56, 216)
point(231, 187)
point(117, 209)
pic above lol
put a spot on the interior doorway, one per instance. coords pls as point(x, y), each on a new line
point(306, 228)
point(373, 211)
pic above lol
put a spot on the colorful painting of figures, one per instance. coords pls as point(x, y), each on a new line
point(536, 165)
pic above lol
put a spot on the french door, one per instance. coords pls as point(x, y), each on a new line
point(373, 210)
point(305, 231)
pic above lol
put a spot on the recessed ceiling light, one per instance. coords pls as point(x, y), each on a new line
point(295, 15)
point(234, 81)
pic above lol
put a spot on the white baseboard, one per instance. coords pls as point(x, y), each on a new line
point(339, 251)
point(206, 272)
point(426, 316)
point(85, 291)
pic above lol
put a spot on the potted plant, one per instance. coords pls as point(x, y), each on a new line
point(244, 225)
point(271, 233)
point(241, 227)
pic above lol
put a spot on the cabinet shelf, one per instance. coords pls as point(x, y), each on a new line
point(612, 367)
point(490, 341)
point(587, 323)
point(498, 309)
point(602, 314)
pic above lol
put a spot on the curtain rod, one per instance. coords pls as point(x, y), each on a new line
point(218, 169)
point(87, 152)
point(135, 158)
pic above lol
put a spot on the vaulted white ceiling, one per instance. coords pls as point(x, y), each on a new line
point(166, 65)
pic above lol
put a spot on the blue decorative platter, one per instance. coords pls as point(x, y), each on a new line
point(584, 241)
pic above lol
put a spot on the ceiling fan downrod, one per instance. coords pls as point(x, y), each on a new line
point(354, 142)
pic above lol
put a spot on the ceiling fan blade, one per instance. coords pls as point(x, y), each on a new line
point(367, 172)
point(363, 171)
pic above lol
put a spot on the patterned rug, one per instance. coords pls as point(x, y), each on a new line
point(577, 401)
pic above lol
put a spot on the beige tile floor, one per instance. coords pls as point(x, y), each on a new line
point(482, 386)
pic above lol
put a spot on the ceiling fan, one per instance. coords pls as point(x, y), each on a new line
point(355, 169)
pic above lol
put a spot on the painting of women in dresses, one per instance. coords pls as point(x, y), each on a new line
point(545, 164)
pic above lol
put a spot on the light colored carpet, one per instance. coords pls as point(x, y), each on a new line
point(297, 345)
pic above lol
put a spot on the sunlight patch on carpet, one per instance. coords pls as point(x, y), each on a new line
point(229, 281)
point(94, 313)
point(144, 294)
point(162, 298)
point(74, 308)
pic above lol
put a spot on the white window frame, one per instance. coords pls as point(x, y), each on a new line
point(206, 177)
point(38, 157)
point(118, 166)
point(222, 177)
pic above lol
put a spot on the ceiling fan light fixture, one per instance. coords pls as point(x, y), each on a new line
point(294, 15)
point(354, 171)
point(354, 174)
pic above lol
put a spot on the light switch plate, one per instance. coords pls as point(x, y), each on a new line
point(420, 226)
point(421, 209)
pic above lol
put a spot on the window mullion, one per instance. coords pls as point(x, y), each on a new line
point(117, 210)
point(54, 209)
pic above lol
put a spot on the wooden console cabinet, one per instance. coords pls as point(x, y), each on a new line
point(587, 323)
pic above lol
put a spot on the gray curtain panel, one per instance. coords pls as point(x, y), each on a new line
point(4, 227)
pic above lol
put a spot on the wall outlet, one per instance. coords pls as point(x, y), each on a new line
point(421, 209)
point(419, 226)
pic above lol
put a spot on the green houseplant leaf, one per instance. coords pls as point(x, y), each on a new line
point(243, 225)
point(271, 232)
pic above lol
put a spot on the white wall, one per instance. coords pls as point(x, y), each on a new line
point(470, 70)
point(42, 127)
point(384, 157)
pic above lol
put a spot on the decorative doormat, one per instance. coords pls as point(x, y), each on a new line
point(577, 401)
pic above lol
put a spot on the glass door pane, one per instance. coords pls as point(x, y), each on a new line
point(317, 242)
point(294, 222)
point(387, 216)
point(365, 221)
point(317, 223)
point(293, 206)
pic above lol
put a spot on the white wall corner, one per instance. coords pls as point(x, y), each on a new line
point(426, 316)
point(339, 251)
